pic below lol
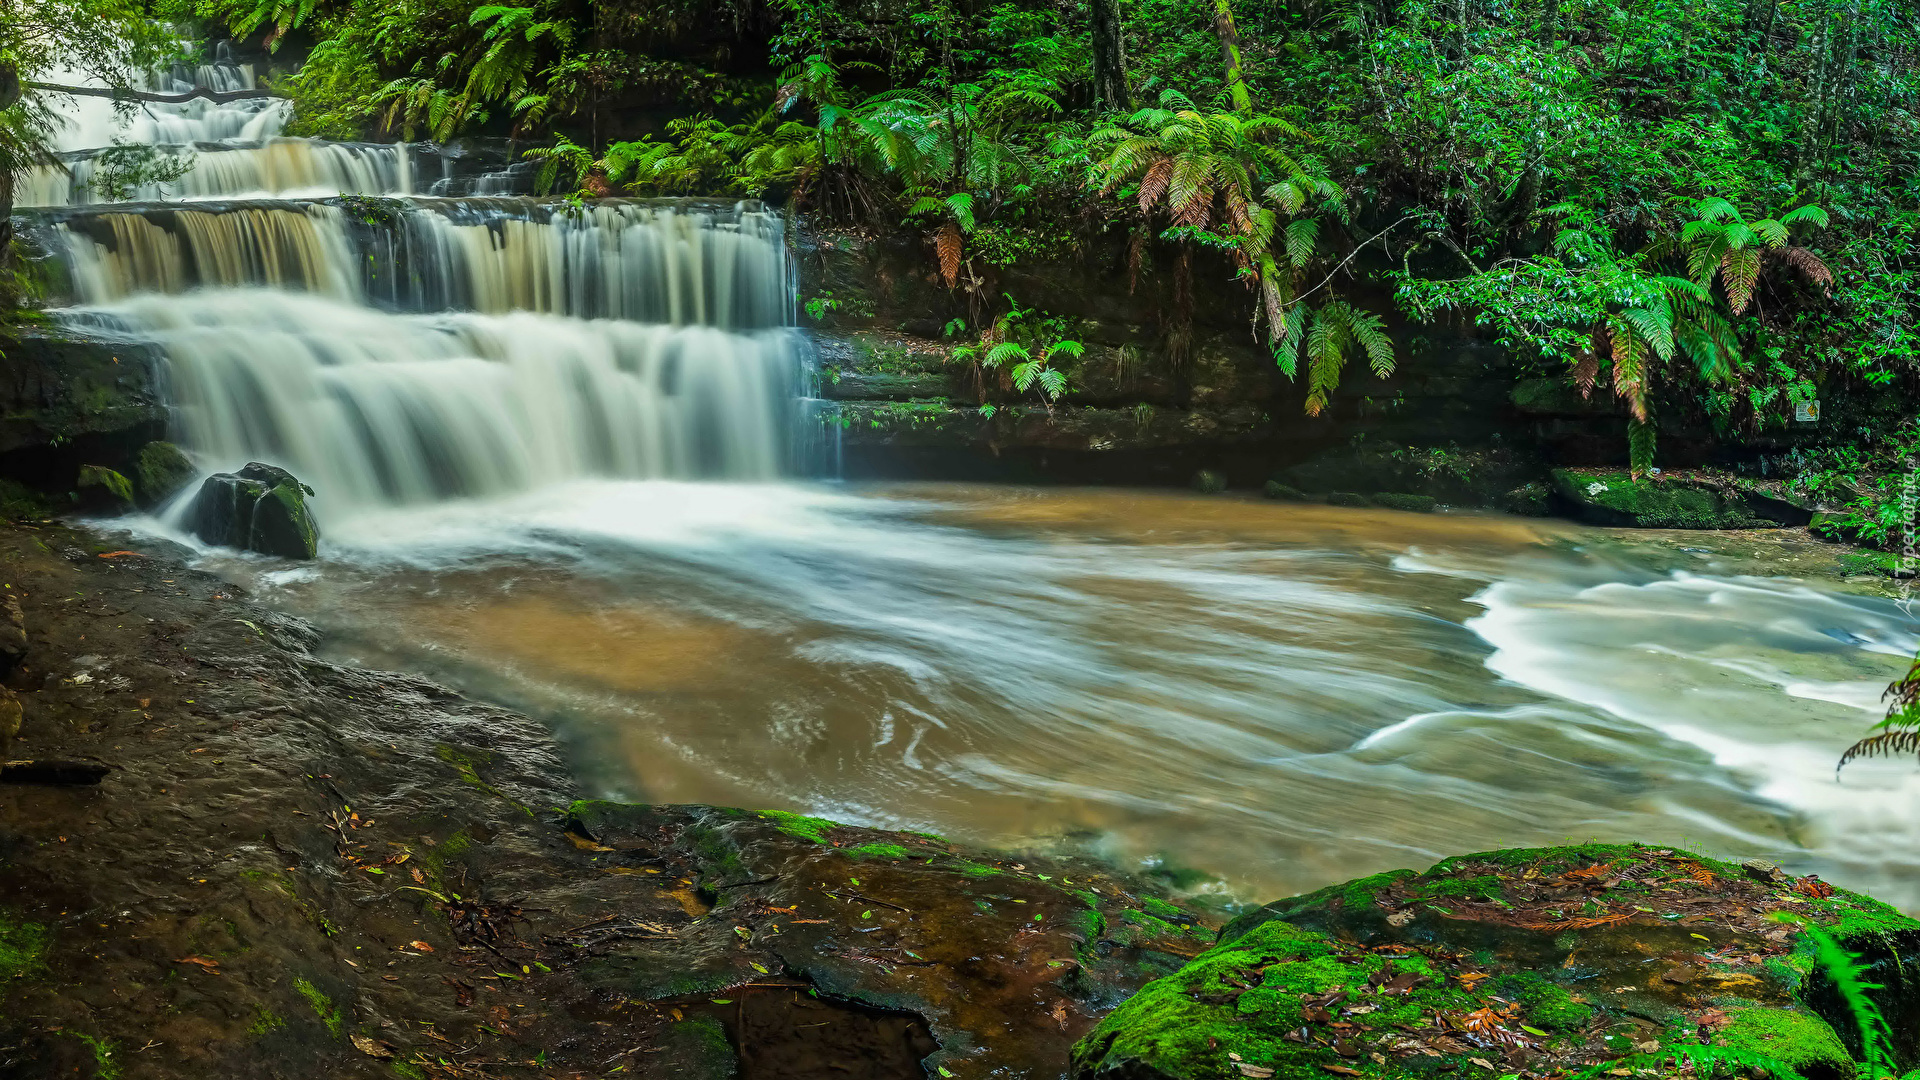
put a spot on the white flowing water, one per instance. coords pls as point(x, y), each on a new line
point(504, 407)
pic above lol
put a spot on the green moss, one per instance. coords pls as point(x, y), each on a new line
point(1545, 1004)
point(1417, 504)
point(1235, 1004)
point(1275, 489)
point(23, 946)
point(20, 503)
point(1796, 1038)
point(409, 1070)
point(1671, 502)
point(879, 851)
point(799, 826)
point(104, 1065)
point(100, 476)
point(322, 1006)
point(467, 763)
point(265, 1021)
point(161, 471)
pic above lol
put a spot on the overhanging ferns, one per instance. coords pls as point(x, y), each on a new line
point(1899, 733)
point(1244, 184)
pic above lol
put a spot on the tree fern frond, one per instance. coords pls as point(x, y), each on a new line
point(1810, 266)
point(1771, 232)
point(1716, 209)
point(1653, 326)
point(1739, 271)
point(1153, 186)
point(1302, 235)
point(1005, 352)
point(1808, 213)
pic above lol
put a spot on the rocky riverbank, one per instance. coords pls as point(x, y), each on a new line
point(296, 869)
point(299, 869)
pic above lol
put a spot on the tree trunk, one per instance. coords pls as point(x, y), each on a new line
point(9, 95)
point(1230, 56)
point(1109, 57)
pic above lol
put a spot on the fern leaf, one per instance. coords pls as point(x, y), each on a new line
point(1808, 213)
point(1190, 192)
point(947, 243)
point(1810, 267)
point(1071, 349)
point(1302, 235)
point(1640, 443)
point(1005, 352)
point(1654, 326)
point(1739, 271)
point(1629, 365)
point(1716, 209)
point(1771, 232)
point(1153, 186)
point(961, 204)
point(1325, 357)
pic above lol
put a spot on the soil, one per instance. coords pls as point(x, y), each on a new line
point(298, 869)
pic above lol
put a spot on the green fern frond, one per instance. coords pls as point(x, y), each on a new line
point(1716, 209)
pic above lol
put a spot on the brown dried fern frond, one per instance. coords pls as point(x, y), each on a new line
point(1810, 267)
point(1885, 744)
point(948, 244)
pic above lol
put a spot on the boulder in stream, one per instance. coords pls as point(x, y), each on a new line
point(261, 508)
point(163, 470)
point(1526, 962)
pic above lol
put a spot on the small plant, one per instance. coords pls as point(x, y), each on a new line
point(1899, 733)
point(1021, 347)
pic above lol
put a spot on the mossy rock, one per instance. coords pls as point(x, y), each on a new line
point(101, 478)
point(1533, 960)
point(260, 508)
point(697, 1048)
point(1533, 499)
point(1669, 501)
point(162, 471)
point(1275, 489)
point(1413, 504)
point(1209, 482)
point(1346, 498)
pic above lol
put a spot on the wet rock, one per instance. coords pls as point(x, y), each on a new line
point(162, 472)
point(1416, 504)
point(13, 633)
point(1533, 960)
point(1346, 498)
point(98, 479)
point(1533, 499)
point(1449, 474)
point(261, 508)
point(1668, 501)
point(1209, 482)
point(1007, 962)
point(10, 715)
point(1763, 871)
point(1276, 489)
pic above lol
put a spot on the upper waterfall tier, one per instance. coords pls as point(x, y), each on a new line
point(681, 263)
point(291, 169)
point(88, 122)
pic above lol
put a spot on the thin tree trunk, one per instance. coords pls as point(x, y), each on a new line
point(1230, 56)
point(1550, 22)
point(1109, 57)
point(9, 95)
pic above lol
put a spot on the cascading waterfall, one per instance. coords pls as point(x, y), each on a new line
point(399, 351)
point(280, 168)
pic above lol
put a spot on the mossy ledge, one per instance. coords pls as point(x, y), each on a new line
point(1520, 962)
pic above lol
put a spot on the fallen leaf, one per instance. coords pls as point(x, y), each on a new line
point(421, 945)
point(205, 963)
point(1341, 1070)
point(370, 1048)
point(1483, 1063)
point(1258, 1072)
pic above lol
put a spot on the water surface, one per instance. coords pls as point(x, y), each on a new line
point(1277, 695)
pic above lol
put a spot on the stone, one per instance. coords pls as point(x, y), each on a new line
point(163, 470)
point(1532, 499)
point(1346, 498)
point(13, 634)
point(261, 508)
point(1209, 482)
point(1673, 500)
point(117, 487)
point(1274, 489)
point(1553, 959)
point(1763, 871)
point(1415, 504)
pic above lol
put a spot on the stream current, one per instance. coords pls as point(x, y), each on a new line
point(562, 462)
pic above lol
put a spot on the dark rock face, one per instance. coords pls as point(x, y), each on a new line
point(260, 508)
point(1535, 961)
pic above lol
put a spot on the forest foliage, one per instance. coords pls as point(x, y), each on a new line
point(1703, 206)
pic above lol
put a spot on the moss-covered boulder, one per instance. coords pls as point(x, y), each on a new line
point(260, 508)
point(162, 471)
point(1414, 504)
point(103, 486)
point(1671, 500)
point(1534, 961)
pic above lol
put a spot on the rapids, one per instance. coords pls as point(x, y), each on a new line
point(566, 459)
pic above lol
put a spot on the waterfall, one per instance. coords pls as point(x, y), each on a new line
point(403, 349)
